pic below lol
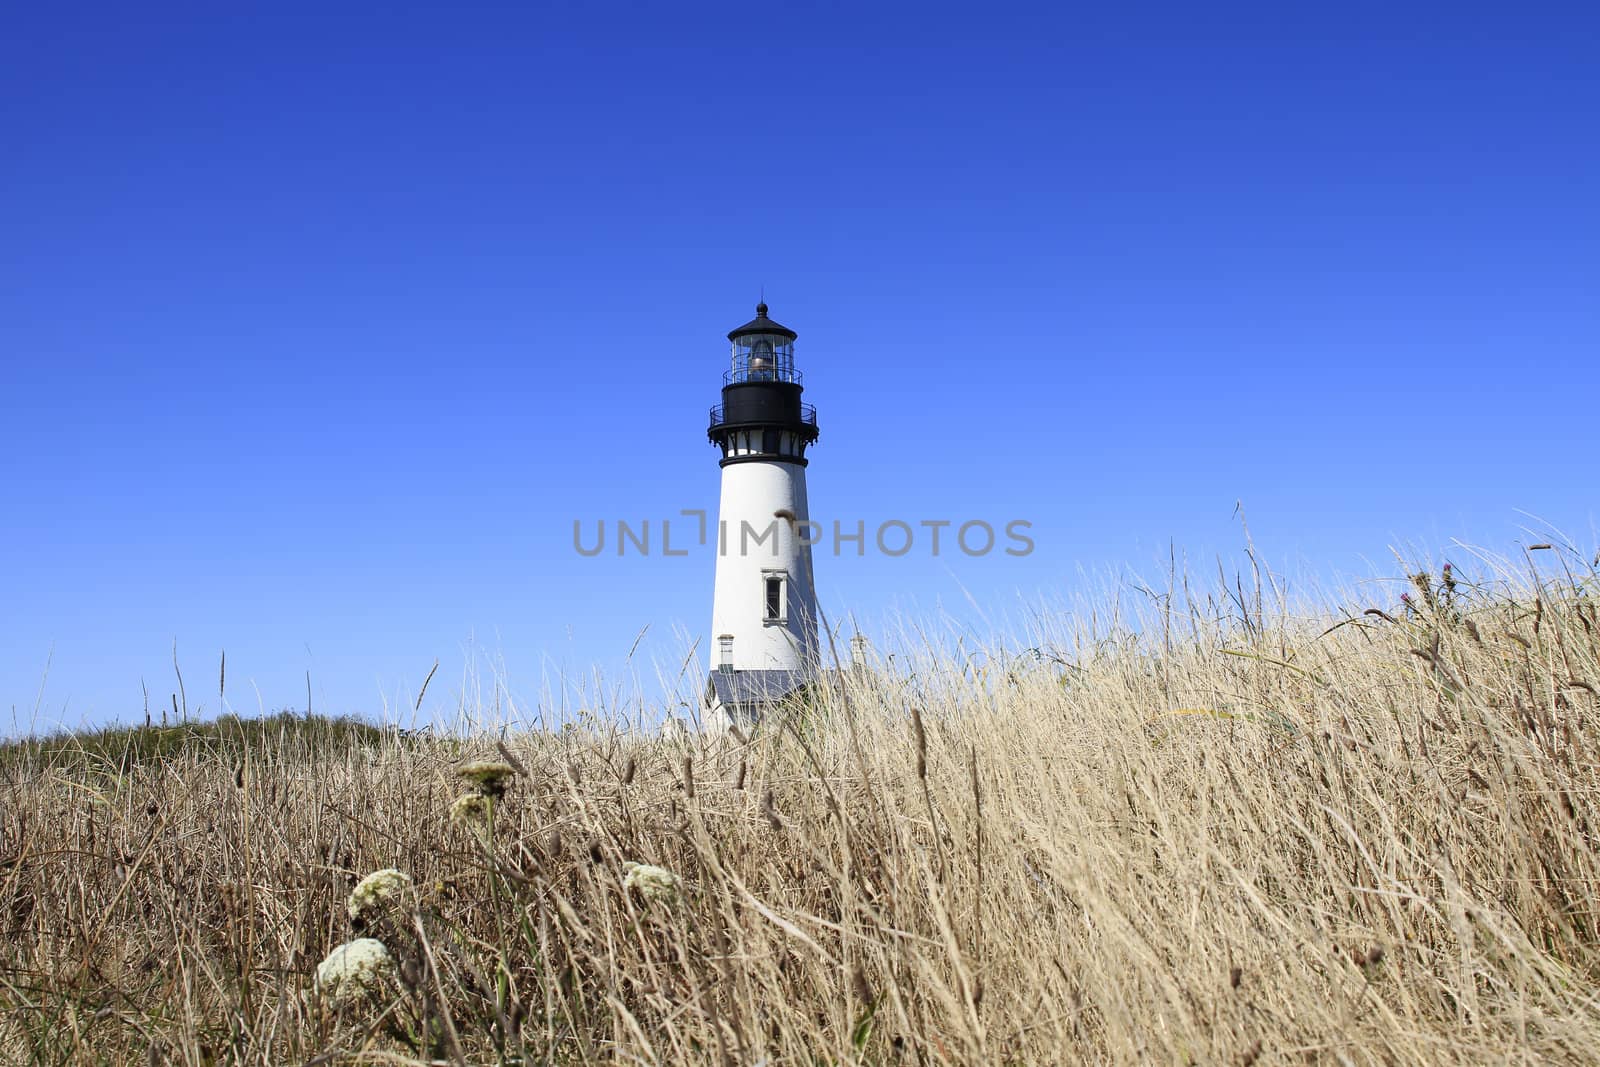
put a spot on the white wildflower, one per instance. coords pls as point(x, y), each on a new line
point(354, 968)
point(652, 882)
point(488, 776)
point(471, 809)
point(377, 889)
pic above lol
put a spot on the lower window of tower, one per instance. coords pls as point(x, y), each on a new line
point(774, 598)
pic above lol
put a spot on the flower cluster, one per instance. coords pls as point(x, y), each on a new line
point(488, 777)
point(376, 890)
point(355, 968)
point(651, 882)
point(471, 810)
point(487, 781)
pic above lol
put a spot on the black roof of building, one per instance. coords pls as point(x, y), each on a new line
point(755, 687)
point(762, 324)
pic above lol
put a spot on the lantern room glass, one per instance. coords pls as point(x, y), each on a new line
point(763, 357)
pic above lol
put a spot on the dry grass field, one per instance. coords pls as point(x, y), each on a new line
point(1230, 834)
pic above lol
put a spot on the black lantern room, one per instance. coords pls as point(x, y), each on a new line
point(761, 417)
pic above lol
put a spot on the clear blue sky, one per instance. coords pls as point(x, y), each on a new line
point(317, 331)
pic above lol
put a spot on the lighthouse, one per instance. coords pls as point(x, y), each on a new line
point(764, 609)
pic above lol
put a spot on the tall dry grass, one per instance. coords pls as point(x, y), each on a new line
point(1228, 835)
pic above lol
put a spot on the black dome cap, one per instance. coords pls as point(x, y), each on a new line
point(762, 324)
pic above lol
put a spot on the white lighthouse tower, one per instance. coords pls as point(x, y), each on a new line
point(764, 611)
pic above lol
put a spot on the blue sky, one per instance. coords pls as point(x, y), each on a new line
point(317, 332)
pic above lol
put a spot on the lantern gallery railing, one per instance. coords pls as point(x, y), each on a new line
point(808, 415)
point(754, 372)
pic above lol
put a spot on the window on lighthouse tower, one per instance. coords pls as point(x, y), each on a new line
point(775, 598)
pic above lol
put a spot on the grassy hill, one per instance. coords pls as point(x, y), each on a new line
point(1235, 833)
point(119, 749)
